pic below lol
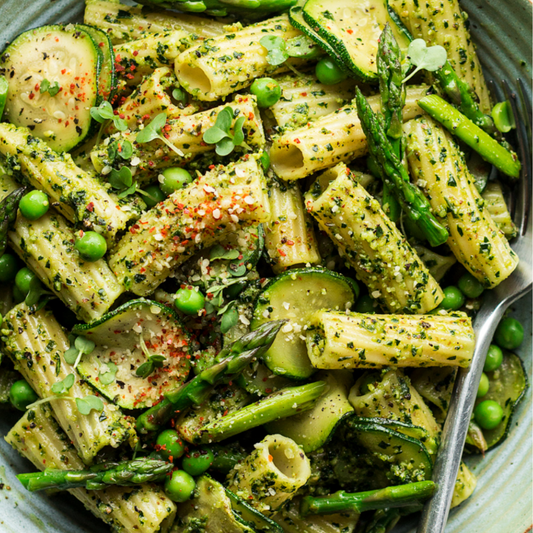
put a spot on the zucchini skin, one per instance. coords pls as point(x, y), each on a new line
point(371, 243)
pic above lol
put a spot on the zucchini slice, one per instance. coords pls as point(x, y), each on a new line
point(295, 295)
point(312, 429)
point(353, 27)
point(53, 74)
point(258, 379)
point(119, 337)
point(408, 458)
point(507, 386)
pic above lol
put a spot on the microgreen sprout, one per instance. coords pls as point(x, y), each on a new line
point(63, 386)
point(82, 346)
point(430, 58)
point(33, 298)
point(51, 88)
point(153, 131)
point(277, 49)
point(107, 373)
point(220, 133)
point(152, 362)
point(105, 112)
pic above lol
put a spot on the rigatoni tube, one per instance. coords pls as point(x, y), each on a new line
point(193, 218)
point(231, 62)
point(78, 196)
point(356, 340)
point(289, 236)
point(437, 164)
point(36, 344)
point(271, 474)
point(144, 509)
point(330, 139)
point(371, 243)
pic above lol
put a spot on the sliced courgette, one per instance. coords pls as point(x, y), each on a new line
point(53, 74)
point(507, 386)
point(407, 457)
point(353, 28)
point(312, 429)
point(119, 337)
point(249, 515)
point(258, 379)
point(107, 80)
point(295, 295)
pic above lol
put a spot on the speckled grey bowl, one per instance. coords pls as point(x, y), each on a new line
point(502, 501)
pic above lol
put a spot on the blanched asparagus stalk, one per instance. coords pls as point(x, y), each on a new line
point(397, 496)
point(123, 474)
point(461, 126)
point(395, 175)
point(286, 402)
point(229, 362)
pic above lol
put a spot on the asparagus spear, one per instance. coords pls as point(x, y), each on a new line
point(222, 8)
point(124, 474)
point(228, 363)
point(457, 124)
point(8, 213)
point(286, 402)
point(396, 177)
point(389, 497)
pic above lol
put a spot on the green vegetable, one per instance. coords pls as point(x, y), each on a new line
point(154, 130)
point(125, 474)
point(8, 267)
point(453, 298)
point(470, 286)
point(483, 386)
point(91, 246)
point(503, 117)
point(220, 134)
point(229, 363)
point(82, 346)
point(4, 88)
point(189, 301)
point(494, 358)
point(21, 395)
point(397, 496)
point(152, 362)
point(276, 47)
point(153, 195)
point(174, 179)
point(88, 404)
point(284, 403)
point(198, 461)
point(180, 486)
point(328, 72)
point(8, 214)
point(105, 112)
point(303, 47)
point(107, 373)
point(122, 181)
point(170, 444)
point(509, 334)
point(23, 280)
point(488, 414)
point(395, 175)
point(471, 134)
point(34, 205)
point(63, 386)
point(33, 297)
point(266, 90)
point(51, 88)
point(424, 58)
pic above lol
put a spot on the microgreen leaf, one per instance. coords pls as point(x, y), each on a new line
point(84, 345)
point(302, 46)
point(119, 179)
point(129, 191)
point(51, 88)
point(238, 133)
point(148, 367)
point(180, 95)
point(224, 119)
point(120, 124)
point(103, 112)
point(423, 57)
point(224, 147)
point(237, 269)
point(88, 404)
point(107, 373)
point(229, 319)
point(71, 355)
point(63, 386)
point(219, 252)
point(277, 49)
point(45, 84)
point(153, 131)
point(214, 135)
point(125, 149)
point(36, 291)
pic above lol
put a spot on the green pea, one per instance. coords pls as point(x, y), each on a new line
point(488, 414)
point(502, 114)
point(170, 444)
point(34, 205)
point(328, 72)
point(453, 298)
point(21, 394)
point(509, 334)
point(365, 304)
point(23, 280)
point(8, 267)
point(197, 462)
point(174, 179)
point(153, 195)
point(494, 359)
point(91, 246)
point(267, 91)
point(484, 385)
point(180, 486)
point(189, 301)
point(470, 286)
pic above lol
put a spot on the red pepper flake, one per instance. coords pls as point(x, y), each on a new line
point(290, 243)
point(136, 53)
point(297, 141)
point(349, 31)
point(270, 458)
point(282, 253)
point(31, 96)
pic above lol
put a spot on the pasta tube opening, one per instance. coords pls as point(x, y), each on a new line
point(194, 77)
point(286, 158)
